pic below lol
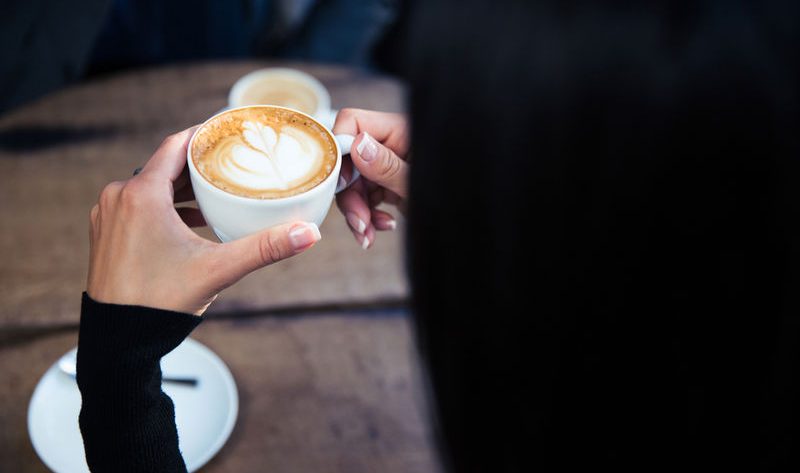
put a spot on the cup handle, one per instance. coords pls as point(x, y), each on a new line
point(345, 143)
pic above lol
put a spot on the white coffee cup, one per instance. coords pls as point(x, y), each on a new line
point(237, 97)
point(232, 216)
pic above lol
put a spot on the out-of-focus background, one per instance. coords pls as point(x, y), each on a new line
point(319, 345)
point(49, 44)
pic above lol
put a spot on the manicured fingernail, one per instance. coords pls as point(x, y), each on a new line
point(385, 222)
point(367, 148)
point(365, 243)
point(356, 223)
point(304, 235)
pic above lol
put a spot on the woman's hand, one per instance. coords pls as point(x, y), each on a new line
point(380, 153)
point(144, 253)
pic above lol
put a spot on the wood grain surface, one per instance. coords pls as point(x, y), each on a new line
point(322, 393)
point(57, 154)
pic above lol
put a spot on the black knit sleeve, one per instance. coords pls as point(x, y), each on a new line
point(127, 422)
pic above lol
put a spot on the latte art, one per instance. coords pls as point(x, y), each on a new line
point(263, 156)
point(262, 159)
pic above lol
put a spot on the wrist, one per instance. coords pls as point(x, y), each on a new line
point(154, 299)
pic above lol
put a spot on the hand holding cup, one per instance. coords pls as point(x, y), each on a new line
point(380, 153)
point(143, 252)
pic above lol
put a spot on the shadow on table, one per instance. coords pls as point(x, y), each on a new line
point(35, 138)
point(14, 335)
point(390, 307)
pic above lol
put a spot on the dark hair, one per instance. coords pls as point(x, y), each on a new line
point(602, 231)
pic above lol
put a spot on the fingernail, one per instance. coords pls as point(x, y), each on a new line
point(342, 183)
point(304, 235)
point(385, 223)
point(367, 148)
point(365, 243)
point(356, 223)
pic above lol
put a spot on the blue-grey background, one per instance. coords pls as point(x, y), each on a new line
point(46, 44)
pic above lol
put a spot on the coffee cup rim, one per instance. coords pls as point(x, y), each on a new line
point(252, 200)
point(323, 96)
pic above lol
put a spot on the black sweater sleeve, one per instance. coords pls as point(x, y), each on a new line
point(127, 422)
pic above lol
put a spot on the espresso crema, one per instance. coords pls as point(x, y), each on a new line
point(263, 152)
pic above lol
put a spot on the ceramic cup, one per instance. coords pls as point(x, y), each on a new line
point(244, 92)
point(232, 216)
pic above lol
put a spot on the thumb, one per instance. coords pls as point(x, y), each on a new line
point(380, 164)
point(237, 259)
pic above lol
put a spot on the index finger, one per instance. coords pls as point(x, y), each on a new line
point(170, 158)
point(390, 129)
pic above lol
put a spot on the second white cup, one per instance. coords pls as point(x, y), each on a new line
point(284, 87)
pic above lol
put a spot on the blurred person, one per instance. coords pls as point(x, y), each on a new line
point(41, 49)
point(47, 44)
point(145, 32)
point(602, 242)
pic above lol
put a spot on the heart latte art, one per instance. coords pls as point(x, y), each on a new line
point(263, 159)
point(263, 153)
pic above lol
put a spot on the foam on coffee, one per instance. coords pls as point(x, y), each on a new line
point(263, 152)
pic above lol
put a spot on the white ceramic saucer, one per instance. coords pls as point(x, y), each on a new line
point(205, 414)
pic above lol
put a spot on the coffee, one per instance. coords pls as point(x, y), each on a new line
point(281, 91)
point(263, 152)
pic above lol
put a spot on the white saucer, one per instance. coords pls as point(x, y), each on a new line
point(205, 414)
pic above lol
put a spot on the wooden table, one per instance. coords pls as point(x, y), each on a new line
point(319, 345)
point(58, 153)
